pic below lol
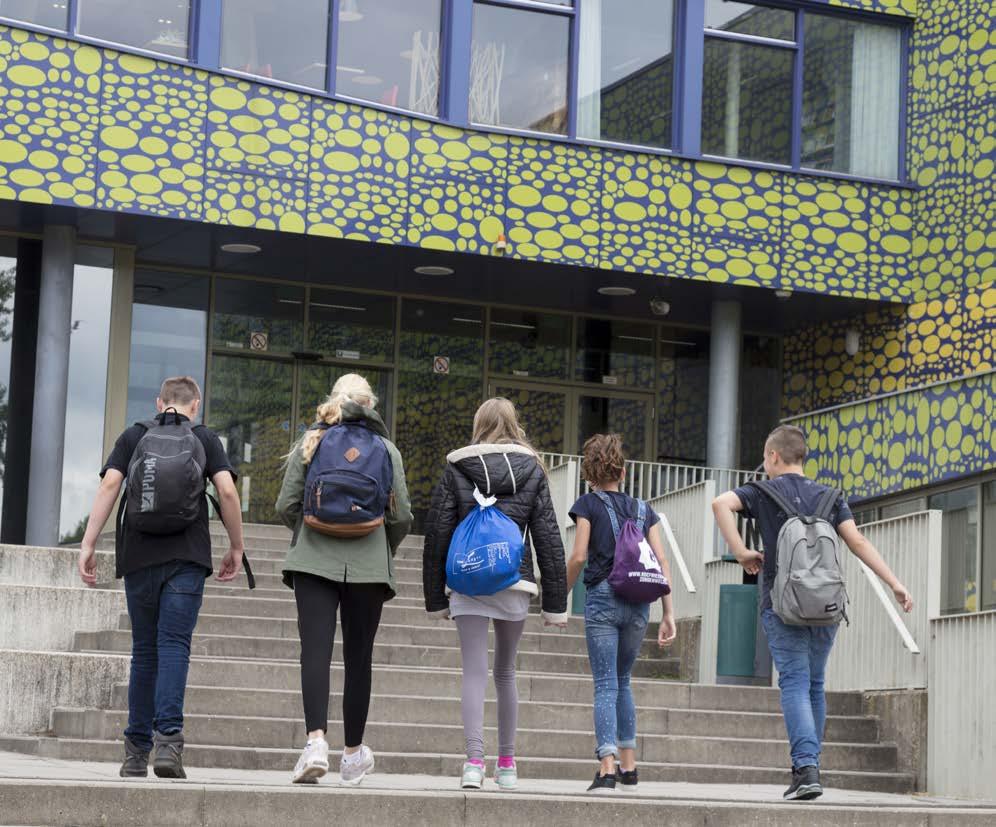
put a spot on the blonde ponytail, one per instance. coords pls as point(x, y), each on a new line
point(349, 388)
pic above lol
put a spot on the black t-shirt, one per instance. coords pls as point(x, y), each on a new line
point(801, 492)
point(602, 545)
point(136, 550)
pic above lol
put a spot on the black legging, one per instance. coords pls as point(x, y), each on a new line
point(360, 605)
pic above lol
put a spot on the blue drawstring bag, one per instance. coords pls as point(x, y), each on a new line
point(486, 551)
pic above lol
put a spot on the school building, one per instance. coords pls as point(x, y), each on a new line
point(683, 221)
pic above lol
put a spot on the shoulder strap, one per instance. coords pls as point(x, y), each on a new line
point(765, 487)
point(612, 512)
point(827, 503)
point(641, 515)
point(250, 577)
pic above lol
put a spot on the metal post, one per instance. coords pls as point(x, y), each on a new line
point(51, 382)
point(724, 385)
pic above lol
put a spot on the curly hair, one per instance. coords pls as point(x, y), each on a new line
point(603, 459)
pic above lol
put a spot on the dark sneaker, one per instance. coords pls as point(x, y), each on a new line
point(167, 761)
point(627, 780)
point(603, 783)
point(805, 785)
point(136, 761)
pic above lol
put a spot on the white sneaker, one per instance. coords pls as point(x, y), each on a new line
point(313, 763)
point(354, 768)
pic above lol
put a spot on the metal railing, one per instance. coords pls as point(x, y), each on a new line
point(687, 524)
point(884, 648)
point(961, 716)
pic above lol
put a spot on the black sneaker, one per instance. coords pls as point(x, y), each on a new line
point(626, 779)
point(168, 759)
point(603, 783)
point(136, 762)
point(805, 785)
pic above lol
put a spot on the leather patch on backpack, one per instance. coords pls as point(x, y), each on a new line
point(352, 454)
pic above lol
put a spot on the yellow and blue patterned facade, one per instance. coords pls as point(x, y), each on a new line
point(98, 129)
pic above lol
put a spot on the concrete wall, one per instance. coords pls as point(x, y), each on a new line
point(902, 715)
point(45, 617)
point(34, 566)
point(34, 683)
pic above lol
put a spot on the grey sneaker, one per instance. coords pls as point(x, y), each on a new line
point(507, 778)
point(473, 776)
point(353, 769)
point(313, 763)
point(136, 761)
point(167, 760)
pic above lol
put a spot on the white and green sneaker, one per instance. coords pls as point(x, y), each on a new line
point(507, 778)
point(473, 776)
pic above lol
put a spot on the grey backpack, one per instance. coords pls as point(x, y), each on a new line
point(809, 585)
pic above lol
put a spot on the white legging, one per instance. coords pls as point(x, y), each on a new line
point(473, 630)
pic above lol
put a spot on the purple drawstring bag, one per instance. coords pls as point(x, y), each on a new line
point(636, 575)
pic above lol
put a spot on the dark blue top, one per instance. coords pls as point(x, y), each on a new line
point(801, 492)
point(602, 545)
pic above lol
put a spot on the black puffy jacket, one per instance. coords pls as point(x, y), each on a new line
point(514, 475)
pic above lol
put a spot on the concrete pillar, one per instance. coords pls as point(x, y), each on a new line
point(725, 345)
point(55, 309)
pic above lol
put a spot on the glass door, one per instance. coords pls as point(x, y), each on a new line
point(315, 380)
point(250, 407)
point(542, 413)
point(630, 415)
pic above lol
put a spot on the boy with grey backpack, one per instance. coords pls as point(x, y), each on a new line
point(802, 591)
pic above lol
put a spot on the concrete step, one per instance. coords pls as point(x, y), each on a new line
point(546, 687)
point(206, 700)
point(396, 654)
point(440, 634)
point(43, 789)
point(434, 738)
point(243, 602)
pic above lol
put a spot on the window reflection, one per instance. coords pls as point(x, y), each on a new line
point(626, 71)
point(50, 13)
point(257, 317)
point(352, 326)
point(518, 69)
point(615, 353)
point(529, 344)
point(746, 18)
point(156, 25)
point(959, 576)
point(286, 41)
point(389, 53)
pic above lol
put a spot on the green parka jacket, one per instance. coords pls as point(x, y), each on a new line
point(367, 559)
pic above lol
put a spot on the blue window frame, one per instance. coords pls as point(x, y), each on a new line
point(807, 42)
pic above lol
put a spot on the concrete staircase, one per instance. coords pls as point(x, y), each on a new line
point(243, 709)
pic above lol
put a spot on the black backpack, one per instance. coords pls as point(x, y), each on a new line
point(165, 486)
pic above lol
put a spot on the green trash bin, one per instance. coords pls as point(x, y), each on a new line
point(737, 633)
point(578, 594)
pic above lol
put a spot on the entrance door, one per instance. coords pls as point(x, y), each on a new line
point(252, 403)
point(630, 415)
point(542, 413)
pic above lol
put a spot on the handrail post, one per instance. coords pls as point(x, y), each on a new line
point(679, 558)
point(935, 541)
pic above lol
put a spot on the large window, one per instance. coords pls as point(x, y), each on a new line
point(626, 71)
point(50, 13)
point(285, 40)
point(519, 68)
point(844, 113)
point(527, 344)
point(154, 25)
point(263, 318)
point(615, 353)
point(389, 53)
point(989, 545)
point(850, 96)
point(959, 549)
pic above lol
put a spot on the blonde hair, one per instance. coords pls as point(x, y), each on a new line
point(179, 390)
point(497, 422)
point(349, 388)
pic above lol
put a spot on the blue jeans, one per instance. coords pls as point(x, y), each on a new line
point(163, 602)
point(800, 654)
point(614, 630)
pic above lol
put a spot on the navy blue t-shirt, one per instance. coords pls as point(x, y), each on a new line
point(602, 545)
point(801, 492)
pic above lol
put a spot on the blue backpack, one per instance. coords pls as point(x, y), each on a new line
point(349, 484)
point(486, 551)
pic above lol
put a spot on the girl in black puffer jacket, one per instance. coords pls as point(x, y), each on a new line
point(500, 463)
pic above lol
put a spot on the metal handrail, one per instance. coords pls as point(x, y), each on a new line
point(679, 558)
point(890, 609)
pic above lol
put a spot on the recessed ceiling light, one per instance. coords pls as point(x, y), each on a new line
point(434, 270)
point(367, 80)
point(616, 291)
point(241, 248)
point(784, 294)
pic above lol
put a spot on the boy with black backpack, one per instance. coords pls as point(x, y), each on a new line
point(163, 552)
point(803, 597)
